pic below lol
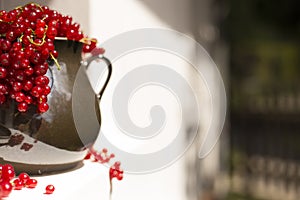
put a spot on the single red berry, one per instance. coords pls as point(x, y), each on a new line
point(36, 58)
point(28, 99)
point(22, 107)
point(20, 75)
point(120, 176)
point(3, 72)
point(53, 23)
point(42, 99)
point(16, 46)
point(45, 53)
point(47, 90)
point(39, 32)
point(42, 80)
point(18, 184)
point(24, 63)
point(31, 183)
point(51, 32)
point(86, 48)
point(41, 69)
point(20, 96)
point(36, 91)
point(40, 23)
point(3, 89)
point(17, 86)
point(27, 85)
point(7, 172)
point(5, 188)
point(49, 189)
point(43, 107)
point(24, 177)
point(10, 36)
point(5, 45)
point(54, 53)
point(5, 59)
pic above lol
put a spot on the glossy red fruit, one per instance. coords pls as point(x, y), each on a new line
point(17, 86)
point(49, 189)
point(3, 72)
point(24, 177)
point(19, 97)
point(36, 91)
point(22, 107)
point(43, 107)
point(5, 188)
point(8, 172)
point(31, 183)
point(27, 85)
point(18, 184)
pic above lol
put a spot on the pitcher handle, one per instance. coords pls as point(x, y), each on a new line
point(88, 61)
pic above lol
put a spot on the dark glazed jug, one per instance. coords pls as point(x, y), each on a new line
point(52, 141)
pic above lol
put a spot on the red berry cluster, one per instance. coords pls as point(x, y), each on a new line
point(115, 171)
point(27, 37)
point(101, 157)
point(9, 182)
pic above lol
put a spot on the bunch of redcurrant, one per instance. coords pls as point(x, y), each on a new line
point(102, 157)
point(9, 182)
point(115, 171)
point(27, 35)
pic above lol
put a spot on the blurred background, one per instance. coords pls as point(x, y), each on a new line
point(256, 45)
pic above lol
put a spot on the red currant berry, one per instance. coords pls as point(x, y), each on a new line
point(42, 99)
point(3, 89)
point(24, 63)
point(27, 85)
point(86, 48)
point(51, 32)
point(41, 69)
point(49, 45)
point(39, 32)
point(4, 59)
point(54, 53)
point(24, 177)
point(18, 184)
point(49, 189)
point(28, 51)
point(120, 176)
point(5, 45)
point(43, 107)
point(42, 80)
point(36, 58)
point(32, 16)
point(7, 172)
point(10, 36)
point(36, 91)
point(17, 86)
point(28, 99)
point(23, 106)
point(40, 23)
point(17, 46)
point(3, 72)
point(31, 183)
point(5, 188)
point(20, 75)
point(47, 90)
point(20, 96)
point(53, 23)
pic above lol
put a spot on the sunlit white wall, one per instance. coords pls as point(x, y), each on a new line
point(110, 18)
